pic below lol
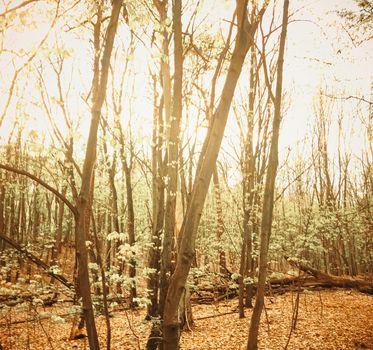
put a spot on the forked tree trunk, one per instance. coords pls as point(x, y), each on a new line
point(205, 167)
point(157, 222)
point(173, 118)
point(268, 199)
point(83, 204)
point(173, 134)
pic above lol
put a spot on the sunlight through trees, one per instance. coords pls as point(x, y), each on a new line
point(157, 155)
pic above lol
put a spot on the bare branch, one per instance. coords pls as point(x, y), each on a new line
point(351, 97)
point(27, 62)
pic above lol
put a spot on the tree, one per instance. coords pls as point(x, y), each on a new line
point(205, 167)
point(269, 190)
point(84, 203)
point(169, 65)
point(172, 156)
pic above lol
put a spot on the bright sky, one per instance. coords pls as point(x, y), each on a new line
point(331, 61)
point(319, 54)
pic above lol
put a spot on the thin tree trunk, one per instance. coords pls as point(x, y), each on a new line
point(219, 221)
point(241, 289)
point(59, 218)
point(268, 200)
point(172, 119)
point(61, 209)
point(2, 202)
point(249, 184)
point(84, 198)
point(131, 232)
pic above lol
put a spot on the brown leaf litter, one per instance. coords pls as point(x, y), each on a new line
point(327, 319)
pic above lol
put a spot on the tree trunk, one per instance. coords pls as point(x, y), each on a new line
point(219, 222)
point(157, 206)
point(173, 131)
point(268, 200)
point(2, 202)
point(83, 204)
point(165, 76)
point(205, 167)
point(59, 230)
point(131, 232)
point(249, 195)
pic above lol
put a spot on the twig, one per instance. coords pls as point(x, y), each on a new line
point(362, 99)
point(216, 315)
point(17, 7)
point(44, 331)
point(34, 319)
point(322, 305)
point(294, 316)
point(132, 330)
point(267, 319)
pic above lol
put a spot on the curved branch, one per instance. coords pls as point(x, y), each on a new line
point(42, 183)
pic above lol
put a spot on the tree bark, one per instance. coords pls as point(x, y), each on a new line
point(205, 167)
point(173, 119)
point(268, 199)
point(84, 198)
point(157, 206)
point(131, 231)
point(219, 221)
point(2, 206)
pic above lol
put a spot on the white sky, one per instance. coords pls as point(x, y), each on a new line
point(319, 54)
point(330, 64)
point(314, 41)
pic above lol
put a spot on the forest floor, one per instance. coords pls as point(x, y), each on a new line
point(327, 319)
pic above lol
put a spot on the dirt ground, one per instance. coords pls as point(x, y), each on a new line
point(327, 319)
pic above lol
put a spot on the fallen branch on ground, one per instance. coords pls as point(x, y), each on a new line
point(328, 281)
